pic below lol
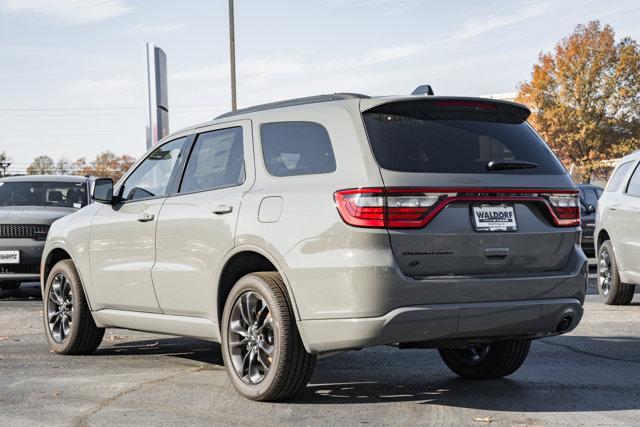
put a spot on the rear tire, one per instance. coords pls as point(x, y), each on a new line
point(495, 360)
point(68, 323)
point(9, 285)
point(609, 285)
point(261, 346)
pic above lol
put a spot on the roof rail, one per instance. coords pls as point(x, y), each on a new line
point(293, 102)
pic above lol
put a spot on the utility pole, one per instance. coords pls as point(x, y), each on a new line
point(232, 57)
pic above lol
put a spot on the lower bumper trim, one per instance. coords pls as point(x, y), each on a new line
point(528, 318)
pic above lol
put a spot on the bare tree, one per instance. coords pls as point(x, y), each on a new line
point(64, 167)
point(41, 165)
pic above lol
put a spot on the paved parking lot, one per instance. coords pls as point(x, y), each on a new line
point(590, 376)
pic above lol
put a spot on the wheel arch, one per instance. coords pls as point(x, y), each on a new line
point(603, 236)
point(54, 255)
point(243, 260)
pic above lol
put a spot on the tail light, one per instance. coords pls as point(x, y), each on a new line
point(566, 209)
point(415, 208)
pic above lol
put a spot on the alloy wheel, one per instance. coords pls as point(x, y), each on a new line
point(252, 338)
point(604, 272)
point(60, 308)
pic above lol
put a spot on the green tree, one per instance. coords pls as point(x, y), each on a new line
point(41, 165)
point(586, 97)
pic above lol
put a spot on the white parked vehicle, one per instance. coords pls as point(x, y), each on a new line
point(618, 233)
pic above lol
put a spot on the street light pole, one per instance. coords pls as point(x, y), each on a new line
point(232, 56)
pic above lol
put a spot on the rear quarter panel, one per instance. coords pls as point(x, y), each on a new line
point(310, 242)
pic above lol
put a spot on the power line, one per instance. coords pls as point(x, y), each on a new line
point(72, 108)
point(104, 108)
point(69, 135)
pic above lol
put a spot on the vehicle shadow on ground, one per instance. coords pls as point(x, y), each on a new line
point(391, 375)
point(359, 381)
point(186, 348)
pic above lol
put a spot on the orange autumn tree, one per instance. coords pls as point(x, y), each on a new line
point(586, 97)
point(106, 165)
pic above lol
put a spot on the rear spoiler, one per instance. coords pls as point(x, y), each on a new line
point(444, 103)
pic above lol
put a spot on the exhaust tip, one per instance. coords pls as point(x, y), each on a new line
point(564, 324)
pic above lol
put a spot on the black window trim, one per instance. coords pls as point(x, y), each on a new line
point(190, 148)
point(264, 162)
point(628, 182)
point(171, 186)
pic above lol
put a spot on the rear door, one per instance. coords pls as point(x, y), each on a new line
point(628, 222)
point(196, 227)
point(614, 213)
point(471, 216)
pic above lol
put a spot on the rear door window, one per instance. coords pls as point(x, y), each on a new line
point(216, 161)
point(618, 176)
point(296, 148)
point(414, 137)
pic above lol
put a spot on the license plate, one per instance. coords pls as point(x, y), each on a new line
point(9, 257)
point(494, 218)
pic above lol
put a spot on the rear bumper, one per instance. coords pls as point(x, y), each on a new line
point(378, 305)
point(531, 319)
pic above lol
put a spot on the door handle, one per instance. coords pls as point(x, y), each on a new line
point(146, 217)
point(222, 209)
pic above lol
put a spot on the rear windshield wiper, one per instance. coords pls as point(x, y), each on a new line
point(513, 164)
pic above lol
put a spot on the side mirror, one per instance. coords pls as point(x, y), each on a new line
point(591, 209)
point(103, 190)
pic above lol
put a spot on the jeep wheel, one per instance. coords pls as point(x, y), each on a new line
point(261, 346)
point(68, 323)
point(9, 285)
point(495, 360)
point(609, 285)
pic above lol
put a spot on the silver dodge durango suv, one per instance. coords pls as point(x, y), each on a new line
point(303, 228)
point(618, 233)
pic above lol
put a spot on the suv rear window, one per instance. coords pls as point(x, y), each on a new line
point(414, 137)
point(296, 148)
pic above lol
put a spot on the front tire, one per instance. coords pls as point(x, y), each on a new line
point(68, 323)
point(261, 347)
point(488, 361)
point(609, 285)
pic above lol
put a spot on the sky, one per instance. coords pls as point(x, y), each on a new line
point(72, 72)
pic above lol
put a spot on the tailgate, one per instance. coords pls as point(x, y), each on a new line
point(471, 189)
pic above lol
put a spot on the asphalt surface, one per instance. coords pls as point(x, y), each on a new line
point(590, 376)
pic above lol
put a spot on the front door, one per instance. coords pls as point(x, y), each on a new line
point(196, 227)
point(122, 244)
